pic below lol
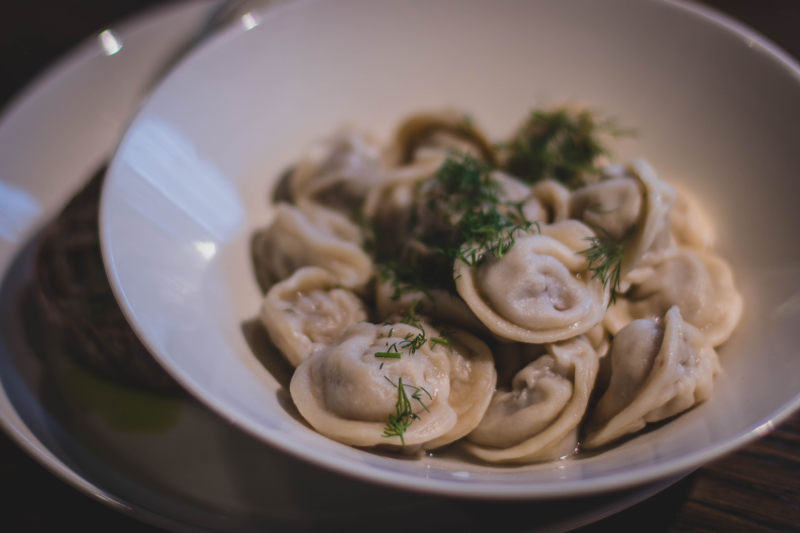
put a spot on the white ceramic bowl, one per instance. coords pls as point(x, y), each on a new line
point(715, 106)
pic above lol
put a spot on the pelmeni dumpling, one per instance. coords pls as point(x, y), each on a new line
point(538, 418)
point(472, 383)
point(307, 312)
point(338, 171)
point(540, 291)
point(689, 223)
point(514, 191)
point(546, 202)
point(600, 340)
point(659, 368)
point(348, 393)
point(391, 203)
point(554, 199)
point(438, 305)
point(699, 283)
point(511, 357)
point(309, 235)
point(438, 132)
point(653, 223)
point(631, 205)
point(611, 206)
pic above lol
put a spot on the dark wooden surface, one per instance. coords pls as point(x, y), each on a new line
point(756, 488)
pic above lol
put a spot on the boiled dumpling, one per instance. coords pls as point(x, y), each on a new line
point(308, 312)
point(437, 304)
point(513, 192)
point(439, 132)
point(310, 235)
point(472, 383)
point(540, 290)
point(611, 206)
point(554, 199)
point(511, 357)
point(391, 204)
point(652, 227)
point(537, 418)
point(689, 223)
point(631, 206)
point(659, 368)
point(348, 393)
point(546, 202)
point(699, 283)
point(338, 171)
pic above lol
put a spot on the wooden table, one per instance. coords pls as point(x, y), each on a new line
point(755, 489)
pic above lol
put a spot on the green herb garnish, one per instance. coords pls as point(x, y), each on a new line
point(489, 233)
point(604, 257)
point(410, 342)
point(561, 144)
point(413, 342)
point(442, 341)
point(466, 199)
point(401, 419)
point(389, 355)
point(410, 317)
point(465, 218)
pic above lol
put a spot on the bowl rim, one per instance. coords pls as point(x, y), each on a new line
point(490, 490)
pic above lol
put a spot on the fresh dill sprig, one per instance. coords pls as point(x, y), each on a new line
point(604, 257)
point(413, 342)
point(466, 218)
point(442, 341)
point(485, 224)
point(561, 144)
point(416, 395)
point(399, 421)
point(466, 183)
point(489, 232)
point(411, 317)
point(410, 342)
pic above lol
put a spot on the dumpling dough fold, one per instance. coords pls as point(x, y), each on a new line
point(540, 291)
point(347, 393)
point(308, 312)
point(442, 132)
point(472, 382)
point(310, 235)
point(659, 368)
point(338, 171)
point(537, 419)
point(699, 283)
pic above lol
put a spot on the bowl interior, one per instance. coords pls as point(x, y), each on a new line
point(713, 109)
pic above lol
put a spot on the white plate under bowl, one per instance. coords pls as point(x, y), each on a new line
point(715, 107)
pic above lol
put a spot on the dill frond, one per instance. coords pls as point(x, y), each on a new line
point(399, 421)
point(561, 144)
point(604, 257)
point(466, 219)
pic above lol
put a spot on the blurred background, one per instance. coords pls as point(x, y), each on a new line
point(35, 32)
point(755, 489)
